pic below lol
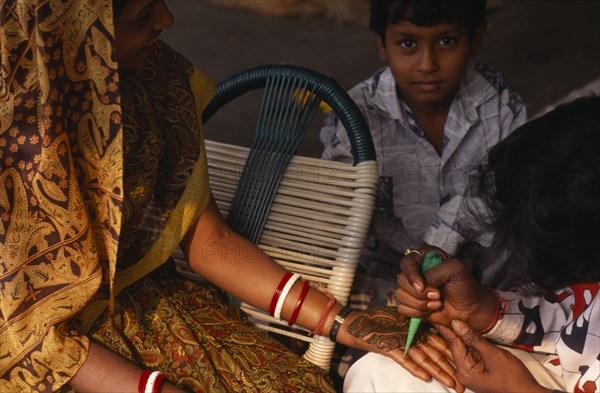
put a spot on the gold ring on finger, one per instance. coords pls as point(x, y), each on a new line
point(412, 251)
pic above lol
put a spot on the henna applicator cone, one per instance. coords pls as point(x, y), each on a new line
point(431, 259)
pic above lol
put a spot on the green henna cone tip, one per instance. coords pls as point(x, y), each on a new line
point(431, 259)
point(412, 331)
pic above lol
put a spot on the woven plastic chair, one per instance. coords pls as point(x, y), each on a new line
point(307, 214)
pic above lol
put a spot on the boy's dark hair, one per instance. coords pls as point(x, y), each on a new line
point(470, 13)
point(542, 189)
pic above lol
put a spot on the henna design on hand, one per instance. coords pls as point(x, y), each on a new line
point(382, 327)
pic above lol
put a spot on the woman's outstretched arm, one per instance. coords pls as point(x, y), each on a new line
point(237, 266)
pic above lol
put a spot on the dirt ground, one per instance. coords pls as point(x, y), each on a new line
point(546, 49)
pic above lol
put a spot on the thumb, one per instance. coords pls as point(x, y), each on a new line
point(471, 337)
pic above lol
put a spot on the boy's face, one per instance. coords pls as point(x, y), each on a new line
point(137, 29)
point(428, 63)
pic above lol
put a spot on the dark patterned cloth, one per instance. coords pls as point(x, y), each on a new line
point(204, 343)
point(60, 182)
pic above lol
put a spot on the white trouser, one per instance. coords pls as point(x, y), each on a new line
point(378, 373)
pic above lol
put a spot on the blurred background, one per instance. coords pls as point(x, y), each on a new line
point(548, 50)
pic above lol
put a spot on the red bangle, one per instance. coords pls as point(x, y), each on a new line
point(277, 293)
point(321, 323)
point(143, 380)
point(296, 311)
point(157, 382)
point(500, 310)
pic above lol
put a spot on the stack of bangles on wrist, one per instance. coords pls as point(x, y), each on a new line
point(283, 290)
point(150, 381)
point(281, 293)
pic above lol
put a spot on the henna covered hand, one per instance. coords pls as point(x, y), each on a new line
point(381, 327)
point(383, 330)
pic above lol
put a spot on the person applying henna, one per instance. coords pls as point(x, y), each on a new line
point(540, 189)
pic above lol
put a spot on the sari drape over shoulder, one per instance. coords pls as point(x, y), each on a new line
point(60, 207)
point(61, 184)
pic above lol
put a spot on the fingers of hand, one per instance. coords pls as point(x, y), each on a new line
point(447, 333)
point(440, 344)
point(466, 348)
point(457, 346)
point(480, 349)
point(403, 281)
point(438, 357)
point(432, 361)
point(428, 291)
point(411, 270)
point(410, 304)
point(411, 366)
point(468, 335)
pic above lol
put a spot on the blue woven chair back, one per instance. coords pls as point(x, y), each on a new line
point(290, 101)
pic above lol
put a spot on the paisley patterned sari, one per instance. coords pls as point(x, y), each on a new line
point(101, 176)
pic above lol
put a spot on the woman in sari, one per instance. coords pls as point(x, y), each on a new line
point(103, 175)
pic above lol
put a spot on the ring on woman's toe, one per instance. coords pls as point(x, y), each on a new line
point(412, 251)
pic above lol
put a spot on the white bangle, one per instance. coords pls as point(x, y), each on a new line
point(150, 382)
point(284, 292)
